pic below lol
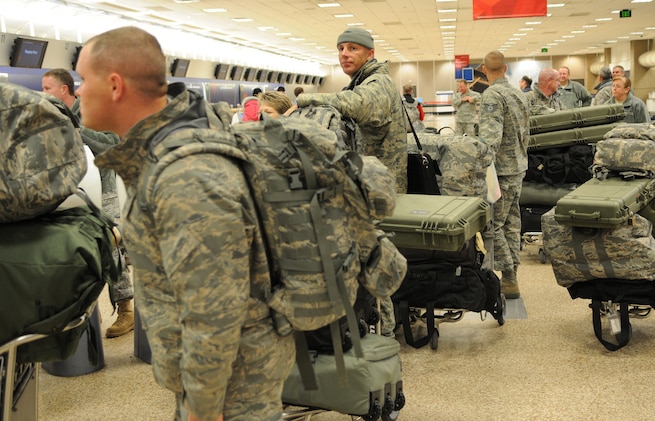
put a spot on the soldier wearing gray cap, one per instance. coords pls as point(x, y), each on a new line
point(373, 101)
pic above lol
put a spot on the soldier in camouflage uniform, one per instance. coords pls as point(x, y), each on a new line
point(604, 87)
point(197, 248)
point(543, 99)
point(504, 126)
point(374, 102)
point(59, 83)
point(466, 103)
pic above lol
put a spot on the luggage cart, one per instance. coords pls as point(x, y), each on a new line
point(18, 389)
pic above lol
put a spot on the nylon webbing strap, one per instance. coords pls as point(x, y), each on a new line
point(622, 338)
point(305, 368)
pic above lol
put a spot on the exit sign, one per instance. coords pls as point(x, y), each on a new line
point(625, 13)
point(544, 50)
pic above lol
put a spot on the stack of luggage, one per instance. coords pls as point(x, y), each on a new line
point(599, 237)
point(560, 154)
point(53, 263)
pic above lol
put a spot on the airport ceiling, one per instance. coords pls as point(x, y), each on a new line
point(404, 30)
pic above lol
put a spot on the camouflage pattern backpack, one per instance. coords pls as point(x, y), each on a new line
point(43, 154)
point(645, 131)
point(317, 203)
point(330, 118)
point(621, 155)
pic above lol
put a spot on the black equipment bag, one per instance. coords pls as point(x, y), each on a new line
point(618, 291)
point(559, 166)
point(531, 217)
point(443, 285)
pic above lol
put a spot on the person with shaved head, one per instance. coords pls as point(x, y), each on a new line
point(544, 98)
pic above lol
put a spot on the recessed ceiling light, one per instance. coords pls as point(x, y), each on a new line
point(328, 4)
point(603, 19)
point(590, 26)
point(265, 28)
point(296, 39)
point(215, 10)
point(446, 10)
point(577, 32)
point(283, 34)
point(448, 20)
point(345, 15)
point(241, 20)
point(641, 1)
point(533, 23)
point(556, 5)
point(448, 27)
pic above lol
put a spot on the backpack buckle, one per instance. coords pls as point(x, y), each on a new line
point(295, 179)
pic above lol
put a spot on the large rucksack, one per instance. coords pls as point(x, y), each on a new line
point(330, 118)
point(316, 211)
point(52, 269)
point(43, 157)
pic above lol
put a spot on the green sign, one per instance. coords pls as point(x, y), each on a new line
point(625, 13)
point(544, 50)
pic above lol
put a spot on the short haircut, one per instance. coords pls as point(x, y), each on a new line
point(280, 102)
point(494, 61)
point(625, 80)
point(299, 90)
point(407, 88)
point(134, 54)
point(63, 77)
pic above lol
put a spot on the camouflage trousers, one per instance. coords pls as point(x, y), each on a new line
point(507, 223)
point(469, 129)
point(122, 290)
point(387, 317)
point(254, 391)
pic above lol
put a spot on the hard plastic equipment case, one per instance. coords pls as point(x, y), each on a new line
point(568, 137)
point(576, 117)
point(436, 222)
point(604, 203)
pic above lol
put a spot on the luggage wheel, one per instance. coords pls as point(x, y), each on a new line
point(389, 411)
point(450, 316)
point(434, 340)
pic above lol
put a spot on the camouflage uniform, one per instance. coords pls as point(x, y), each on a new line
point(198, 258)
point(539, 103)
point(466, 113)
point(99, 142)
point(373, 101)
point(504, 127)
point(574, 95)
point(603, 93)
point(411, 105)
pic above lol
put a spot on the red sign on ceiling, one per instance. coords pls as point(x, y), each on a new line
point(496, 9)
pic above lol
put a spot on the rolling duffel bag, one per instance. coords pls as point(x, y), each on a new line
point(576, 117)
point(580, 254)
point(373, 386)
point(605, 203)
point(436, 222)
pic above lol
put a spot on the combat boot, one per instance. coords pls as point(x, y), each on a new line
point(124, 322)
point(509, 284)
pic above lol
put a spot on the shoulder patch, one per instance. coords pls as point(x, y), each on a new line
point(490, 108)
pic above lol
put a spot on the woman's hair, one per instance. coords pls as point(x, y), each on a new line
point(280, 102)
point(527, 79)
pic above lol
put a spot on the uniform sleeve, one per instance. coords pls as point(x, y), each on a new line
point(491, 122)
point(205, 244)
point(457, 100)
point(98, 142)
point(367, 103)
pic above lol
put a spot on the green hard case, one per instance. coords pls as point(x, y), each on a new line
point(576, 117)
point(604, 203)
point(436, 222)
point(568, 137)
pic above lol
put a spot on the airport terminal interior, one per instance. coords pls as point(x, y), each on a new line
point(543, 363)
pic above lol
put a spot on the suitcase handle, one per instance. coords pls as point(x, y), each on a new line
point(582, 215)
